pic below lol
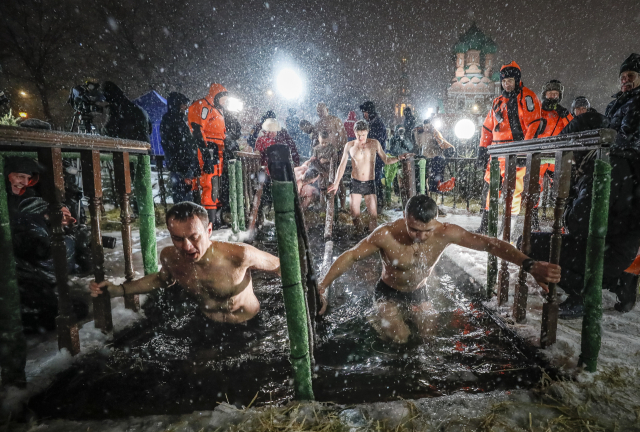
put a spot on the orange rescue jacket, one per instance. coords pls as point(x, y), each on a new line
point(495, 131)
point(551, 123)
point(203, 112)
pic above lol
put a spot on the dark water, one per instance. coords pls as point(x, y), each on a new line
point(178, 362)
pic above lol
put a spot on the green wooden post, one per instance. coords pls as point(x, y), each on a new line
point(423, 175)
point(233, 199)
point(492, 228)
point(13, 344)
point(240, 196)
point(591, 323)
point(147, 215)
point(292, 291)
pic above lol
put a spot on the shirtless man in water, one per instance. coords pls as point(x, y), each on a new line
point(409, 248)
point(363, 159)
point(216, 274)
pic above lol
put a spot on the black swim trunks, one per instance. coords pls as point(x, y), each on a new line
point(385, 292)
point(363, 187)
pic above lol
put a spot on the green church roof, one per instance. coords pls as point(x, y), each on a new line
point(475, 39)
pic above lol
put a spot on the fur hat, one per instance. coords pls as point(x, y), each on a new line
point(271, 125)
point(551, 86)
point(632, 63)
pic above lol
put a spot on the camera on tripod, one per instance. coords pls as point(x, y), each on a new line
point(84, 99)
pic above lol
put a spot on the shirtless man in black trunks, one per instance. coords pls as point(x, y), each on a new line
point(363, 158)
point(409, 248)
point(217, 274)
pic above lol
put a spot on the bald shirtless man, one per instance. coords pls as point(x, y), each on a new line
point(409, 248)
point(363, 158)
point(216, 274)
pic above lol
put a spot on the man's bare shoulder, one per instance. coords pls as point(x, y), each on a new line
point(385, 233)
point(168, 254)
point(451, 231)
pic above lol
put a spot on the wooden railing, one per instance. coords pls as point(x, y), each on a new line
point(50, 146)
point(560, 147)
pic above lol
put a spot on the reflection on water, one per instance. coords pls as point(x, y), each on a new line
point(177, 361)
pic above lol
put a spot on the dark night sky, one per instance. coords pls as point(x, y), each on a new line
point(348, 50)
point(353, 48)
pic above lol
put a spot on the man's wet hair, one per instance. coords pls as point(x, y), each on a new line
point(361, 125)
point(186, 210)
point(421, 208)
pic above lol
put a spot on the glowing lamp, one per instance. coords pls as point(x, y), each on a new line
point(289, 84)
point(234, 104)
point(437, 123)
point(23, 114)
point(465, 129)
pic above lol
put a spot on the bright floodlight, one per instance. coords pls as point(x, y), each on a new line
point(429, 112)
point(234, 104)
point(437, 123)
point(465, 129)
point(289, 84)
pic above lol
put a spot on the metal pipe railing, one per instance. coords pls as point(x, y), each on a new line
point(50, 147)
point(562, 147)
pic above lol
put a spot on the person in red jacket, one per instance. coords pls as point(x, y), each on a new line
point(206, 120)
point(348, 125)
point(514, 116)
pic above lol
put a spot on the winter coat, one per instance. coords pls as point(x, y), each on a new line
point(281, 137)
point(624, 116)
point(623, 232)
point(409, 124)
point(399, 144)
point(180, 148)
point(349, 124)
point(553, 121)
point(126, 120)
point(378, 131)
point(591, 120)
point(206, 120)
point(233, 133)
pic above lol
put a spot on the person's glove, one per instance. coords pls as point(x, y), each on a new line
point(562, 111)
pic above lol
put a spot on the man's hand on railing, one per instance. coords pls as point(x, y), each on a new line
point(405, 156)
point(544, 273)
point(333, 188)
point(97, 288)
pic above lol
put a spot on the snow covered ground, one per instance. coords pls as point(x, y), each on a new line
point(606, 400)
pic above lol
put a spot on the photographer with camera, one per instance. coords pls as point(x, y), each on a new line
point(126, 120)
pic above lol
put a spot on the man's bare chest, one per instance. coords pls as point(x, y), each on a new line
point(414, 257)
point(213, 281)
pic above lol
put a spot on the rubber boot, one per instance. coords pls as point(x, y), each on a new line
point(213, 218)
point(484, 223)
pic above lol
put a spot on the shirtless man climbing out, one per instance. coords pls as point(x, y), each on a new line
point(409, 248)
point(217, 274)
point(363, 158)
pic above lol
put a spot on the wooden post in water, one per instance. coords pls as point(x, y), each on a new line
point(92, 185)
point(408, 184)
point(328, 220)
point(233, 199)
point(161, 186)
point(52, 182)
point(122, 172)
point(530, 195)
point(562, 182)
point(508, 189)
point(242, 225)
point(492, 224)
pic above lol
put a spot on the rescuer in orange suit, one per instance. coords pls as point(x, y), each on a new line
point(206, 120)
point(554, 118)
point(514, 116)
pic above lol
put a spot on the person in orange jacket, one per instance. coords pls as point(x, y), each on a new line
point(554, 116)
point(514, 116)
point(206, 120)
